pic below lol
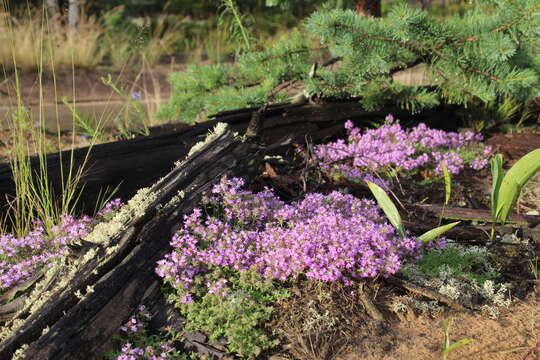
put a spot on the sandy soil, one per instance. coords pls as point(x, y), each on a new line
point(420, 337)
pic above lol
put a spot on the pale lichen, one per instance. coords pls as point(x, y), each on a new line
point(218, 130)
point(472, 293)
point(111, 249)
point(404, 303)
point(136, 207)
point(174, 201)
point(78, 294)
point(19, 353)
point(316, 319)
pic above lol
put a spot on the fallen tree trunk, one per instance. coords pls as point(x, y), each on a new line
point(137, 163)
point(455, 213)
point(75, 309)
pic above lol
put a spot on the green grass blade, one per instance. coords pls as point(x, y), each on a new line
point(497, 176)
point(436, 232)
point(447, 183)
point(513, 182)
point(456, 345)
point(387, 205)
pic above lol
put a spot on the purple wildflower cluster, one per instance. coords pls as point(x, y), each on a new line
point(136, 350)
point(134, 324)
point(391, 146)
point(334, 237)
point(130, 352)
point(21, 257)
point(110, 208)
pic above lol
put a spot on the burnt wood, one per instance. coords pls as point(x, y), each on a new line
point(482, 215)
point(136, 163)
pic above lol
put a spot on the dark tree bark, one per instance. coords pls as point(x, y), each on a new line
point(425, 4)
point(137, 163)
point(369, 7)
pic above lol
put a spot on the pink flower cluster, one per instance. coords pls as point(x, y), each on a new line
point(334, 237)
point(131, 352)
point(110, 208)
point(21, 257)
point(392, 146)
point(136, 350)
point(134, 324)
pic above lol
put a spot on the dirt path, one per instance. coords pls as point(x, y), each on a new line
point(85, 90)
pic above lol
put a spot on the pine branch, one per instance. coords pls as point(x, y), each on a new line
point(496, 30)
point(485, 66)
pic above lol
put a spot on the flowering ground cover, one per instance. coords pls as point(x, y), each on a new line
point(255, 272)
point(391, 147)
point(21, 257)
point(334, 237)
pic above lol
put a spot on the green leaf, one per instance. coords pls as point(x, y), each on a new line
point(513, 182)
point(387, 205)
point(436, 232)
point(456, 345)
point(497, 176)
point(447, 183)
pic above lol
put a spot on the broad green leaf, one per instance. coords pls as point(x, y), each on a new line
point(456, 345)
point(387, 205)
point(513, 182)
point(436, 232)
point(447, 183)
point(497, 176)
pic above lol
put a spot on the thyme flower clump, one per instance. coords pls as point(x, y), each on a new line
point(391, 146)
point(21, 257)
point(334, 237)
point(140, 344)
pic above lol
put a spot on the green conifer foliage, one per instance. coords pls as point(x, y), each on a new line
point(489, 54)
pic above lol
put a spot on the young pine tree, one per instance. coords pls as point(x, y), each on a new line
point(489, 54)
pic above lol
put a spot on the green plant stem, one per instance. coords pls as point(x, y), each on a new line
point(230, 4)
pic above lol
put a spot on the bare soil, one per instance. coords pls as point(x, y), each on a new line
point(512, 336)
point(85, 85)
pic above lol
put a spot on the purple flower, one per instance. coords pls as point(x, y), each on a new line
point(390, 147)
point(136, 95)
point(23, 256)
point(334, 237)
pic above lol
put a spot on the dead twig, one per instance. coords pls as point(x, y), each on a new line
point(434, 295)
point(371, 309)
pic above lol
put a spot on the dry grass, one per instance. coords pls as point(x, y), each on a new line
point(29, 40)
point(32, 40)
point(320, 321)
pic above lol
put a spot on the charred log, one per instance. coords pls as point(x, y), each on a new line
point(133, 164)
